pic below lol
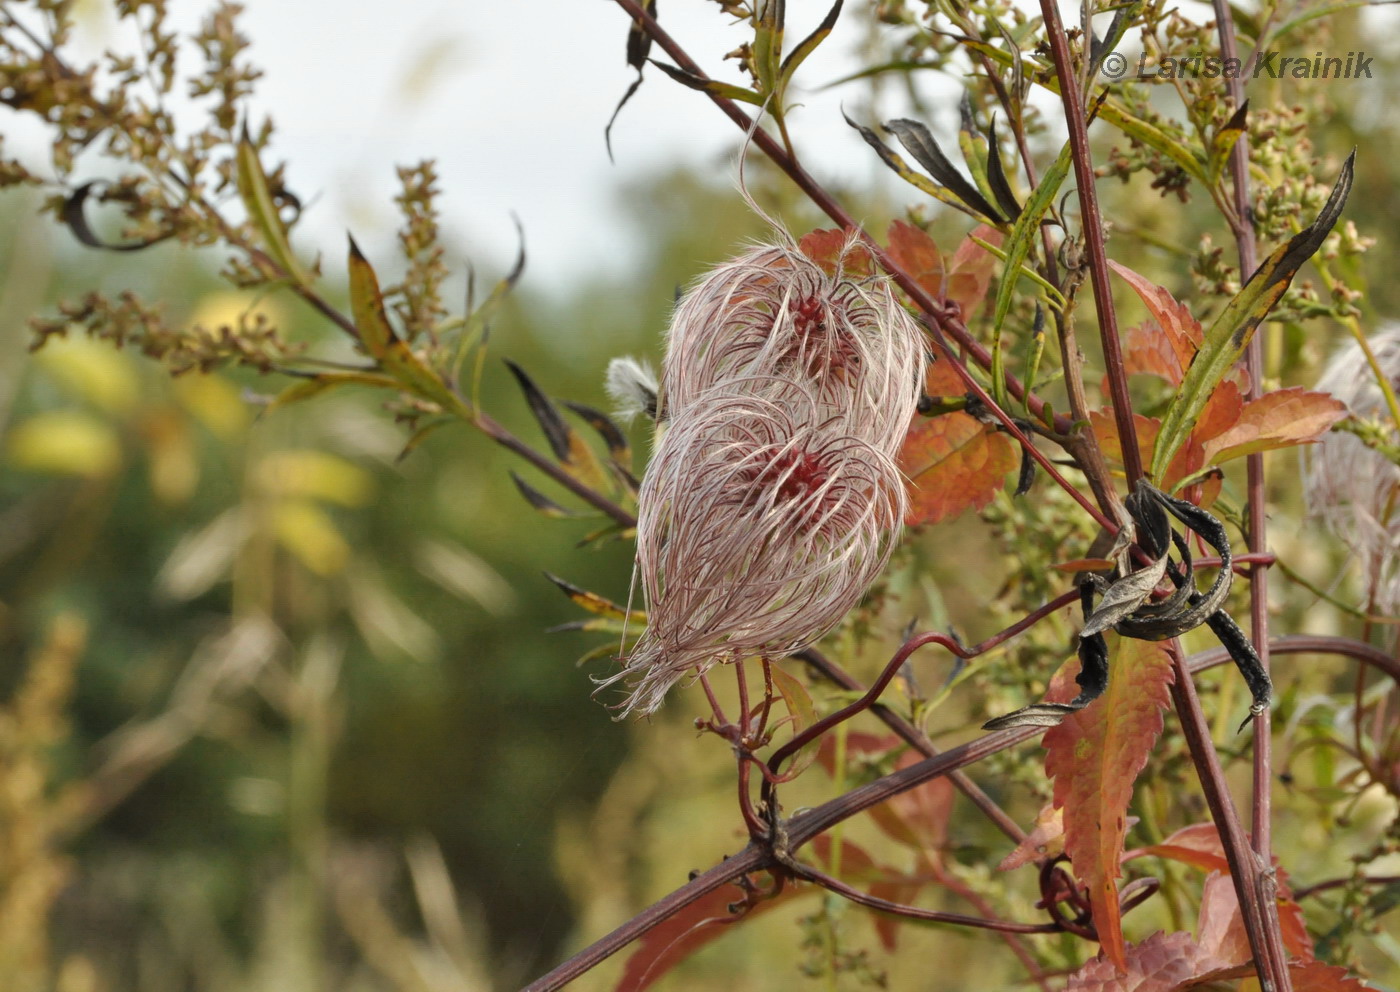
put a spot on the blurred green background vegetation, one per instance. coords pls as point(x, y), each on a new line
point(283, 709)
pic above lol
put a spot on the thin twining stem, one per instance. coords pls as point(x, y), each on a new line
point(802, 829)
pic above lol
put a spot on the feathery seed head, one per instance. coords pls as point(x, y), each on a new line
point(774, 312)
point(762, 523)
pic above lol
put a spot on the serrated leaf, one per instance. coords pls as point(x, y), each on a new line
point(1094, 756)
point(1047, 840)
point(1158, 964)
point(916, 254)
point(1279, 419)
point(968, 274)
point(262, 209)
point(1169, 348)
point(827, 247)
point(1230, 332)
point(954, 463)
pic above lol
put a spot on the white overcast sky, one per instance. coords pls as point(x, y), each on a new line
point(510, 97)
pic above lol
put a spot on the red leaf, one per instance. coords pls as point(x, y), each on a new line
point(969, 272)
point(884, 883)
point(858, 744)
point(1220, 927)
point(1148, 351)
point(1314, 976)
point(684, 933)
point(954, 463)
point(916, 254)
point(1161, 963)
point(1279, 419)
point(828, 248)
point(1094, 757)
point(1199, 845)
point(1181, 330)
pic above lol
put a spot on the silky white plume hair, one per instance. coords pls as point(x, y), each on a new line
point(763, 521)
point(1354, 489)
point(774, 312)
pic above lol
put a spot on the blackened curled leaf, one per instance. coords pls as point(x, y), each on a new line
point(556, 431)
point(539, 500)
point(919, 142)
point(638, 48)
point(74, 214)
point(996, 177)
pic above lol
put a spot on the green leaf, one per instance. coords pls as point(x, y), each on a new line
point(808, 45)
point(804, 714)
point(713, 86)
point(325, 382)
point(262, 210)
point(381, 342)
point(768, 43)
point(1017, 247)
point(1227, 336)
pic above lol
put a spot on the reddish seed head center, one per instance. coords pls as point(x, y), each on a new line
point(794, 474)
point(818, 346)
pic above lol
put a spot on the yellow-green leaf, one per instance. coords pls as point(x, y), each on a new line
point(262, 210)
point(65, 442)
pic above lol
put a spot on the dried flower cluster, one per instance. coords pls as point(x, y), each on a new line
point(1352, 481)
point(773, 499)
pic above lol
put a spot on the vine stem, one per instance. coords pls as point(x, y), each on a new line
point(1261, 790)
point(808, 825)
point(1092, 222)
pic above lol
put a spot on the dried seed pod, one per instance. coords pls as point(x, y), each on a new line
point(774, 312)
point(762, 522)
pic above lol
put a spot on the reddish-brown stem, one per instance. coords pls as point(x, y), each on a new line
point(1337, 883)
point(1245, 869)
point(912, 912)
point(918, 740)
point(1262, 784)
point(897, 662)
point(940, 318)
point(803, 828)
point(1072, 98)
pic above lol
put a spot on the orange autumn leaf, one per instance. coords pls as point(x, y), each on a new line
point(969, 272)
point(1276, 420)
point(914, 251)
point(824, 247)
point(1199, 845)
point(954, 463)
point(1094, 757)
point(1180, 331)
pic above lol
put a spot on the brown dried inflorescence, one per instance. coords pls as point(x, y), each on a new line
point(773, 499)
